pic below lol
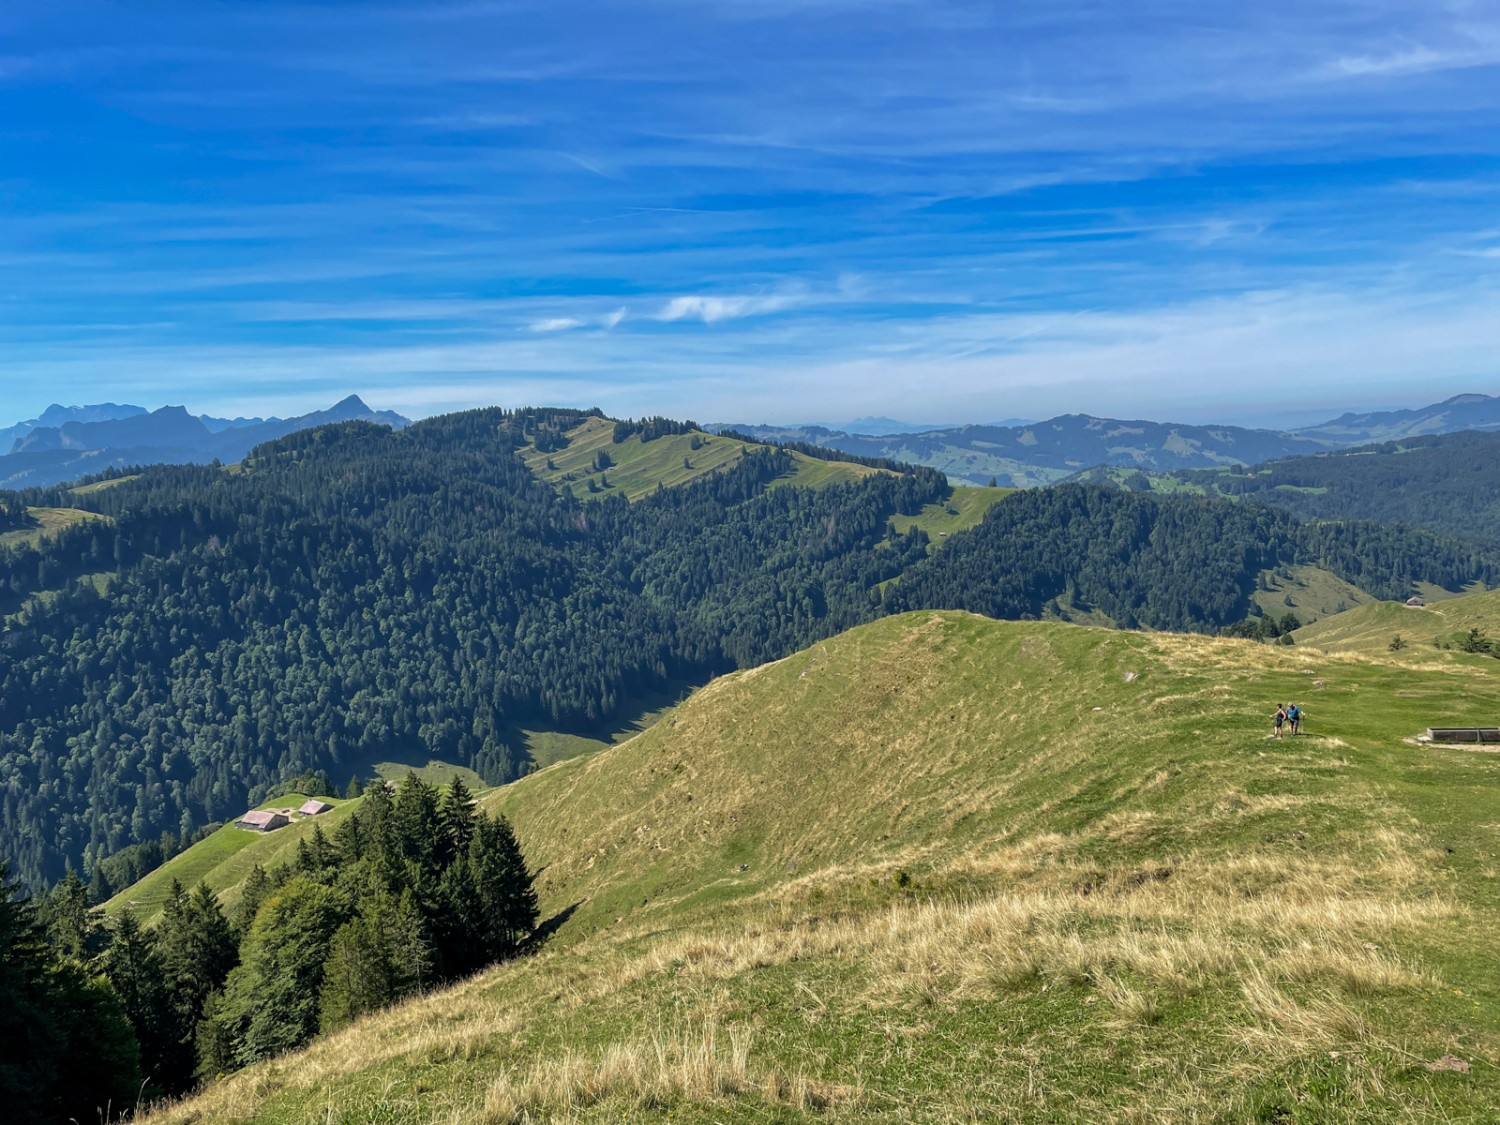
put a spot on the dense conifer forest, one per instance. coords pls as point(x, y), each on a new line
point(352, 590)
point(1448, 483)
point(1179, 563)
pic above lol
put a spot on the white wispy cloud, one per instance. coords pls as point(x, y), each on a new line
point(613, 319)
point(555, 324)
point(711, 309)
point(1412, 60)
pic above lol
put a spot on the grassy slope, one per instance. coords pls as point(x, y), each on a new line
point(641, 466)
point(49, 522)
point(1314, 593)
point(1369, 628)
point(947, 869)
point(101, 485)
point(548, 747)
point(226, 857)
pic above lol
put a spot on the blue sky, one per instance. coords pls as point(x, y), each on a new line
point(751, 211)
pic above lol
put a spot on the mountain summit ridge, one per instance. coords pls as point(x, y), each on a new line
point(89, 439)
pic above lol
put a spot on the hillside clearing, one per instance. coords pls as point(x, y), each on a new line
point(226, 857)
point(49, 522)
point(1307, 591)
point(963, 510)
point(1371, 628)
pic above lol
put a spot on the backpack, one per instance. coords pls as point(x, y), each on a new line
point(1294, 713)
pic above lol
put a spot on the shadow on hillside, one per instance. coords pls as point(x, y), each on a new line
point(551, 926)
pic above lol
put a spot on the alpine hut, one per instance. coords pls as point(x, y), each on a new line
point(263, 820)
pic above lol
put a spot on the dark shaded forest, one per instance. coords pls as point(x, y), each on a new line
point(1448, 484)
point(1179, 563)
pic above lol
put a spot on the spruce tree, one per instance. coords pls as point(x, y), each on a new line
point(257, 886)
point(456, 817)
point(135, 971)
point(198, 950)
point(416, 828)
point(73, 930)
point(503, 884)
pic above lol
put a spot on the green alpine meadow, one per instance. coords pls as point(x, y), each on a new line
point(945, 868)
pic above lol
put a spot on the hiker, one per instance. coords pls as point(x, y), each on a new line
point(1293, 717)
point(1280, 719)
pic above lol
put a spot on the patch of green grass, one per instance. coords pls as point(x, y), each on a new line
point(964, 509)
point(224, 859)
point(548, 747)
point(433, 772)
point(101, 485)
point(1308, 591)
point(1371, 628)
point(639, 467)
point(48, 522)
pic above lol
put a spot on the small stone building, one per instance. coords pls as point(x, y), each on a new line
point(1416, 601)
point(312, 807)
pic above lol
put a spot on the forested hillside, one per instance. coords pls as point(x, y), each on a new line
point(353, 587)
point(1447, 483)
point(352, 591)
point(1179, 563)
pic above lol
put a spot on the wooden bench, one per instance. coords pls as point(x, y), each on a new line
point(1464, 734)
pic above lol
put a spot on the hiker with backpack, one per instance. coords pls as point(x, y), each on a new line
point(1294, 717)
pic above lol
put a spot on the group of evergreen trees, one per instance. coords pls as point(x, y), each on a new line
point(651, 428)
point(411, 890)
point(66, 1047)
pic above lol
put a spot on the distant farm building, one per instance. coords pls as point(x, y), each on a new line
point(313, 807)
point(263, 820)
point(1416, 601)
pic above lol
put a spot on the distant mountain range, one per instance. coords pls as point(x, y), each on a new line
point(68, 442)
point(1461, 412)
point(65, 443)
point(1027, 454)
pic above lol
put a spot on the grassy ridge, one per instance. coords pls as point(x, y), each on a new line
point(639, 467)
point(942, 868)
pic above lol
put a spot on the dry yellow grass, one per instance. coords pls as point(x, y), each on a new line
point(701, 1064)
